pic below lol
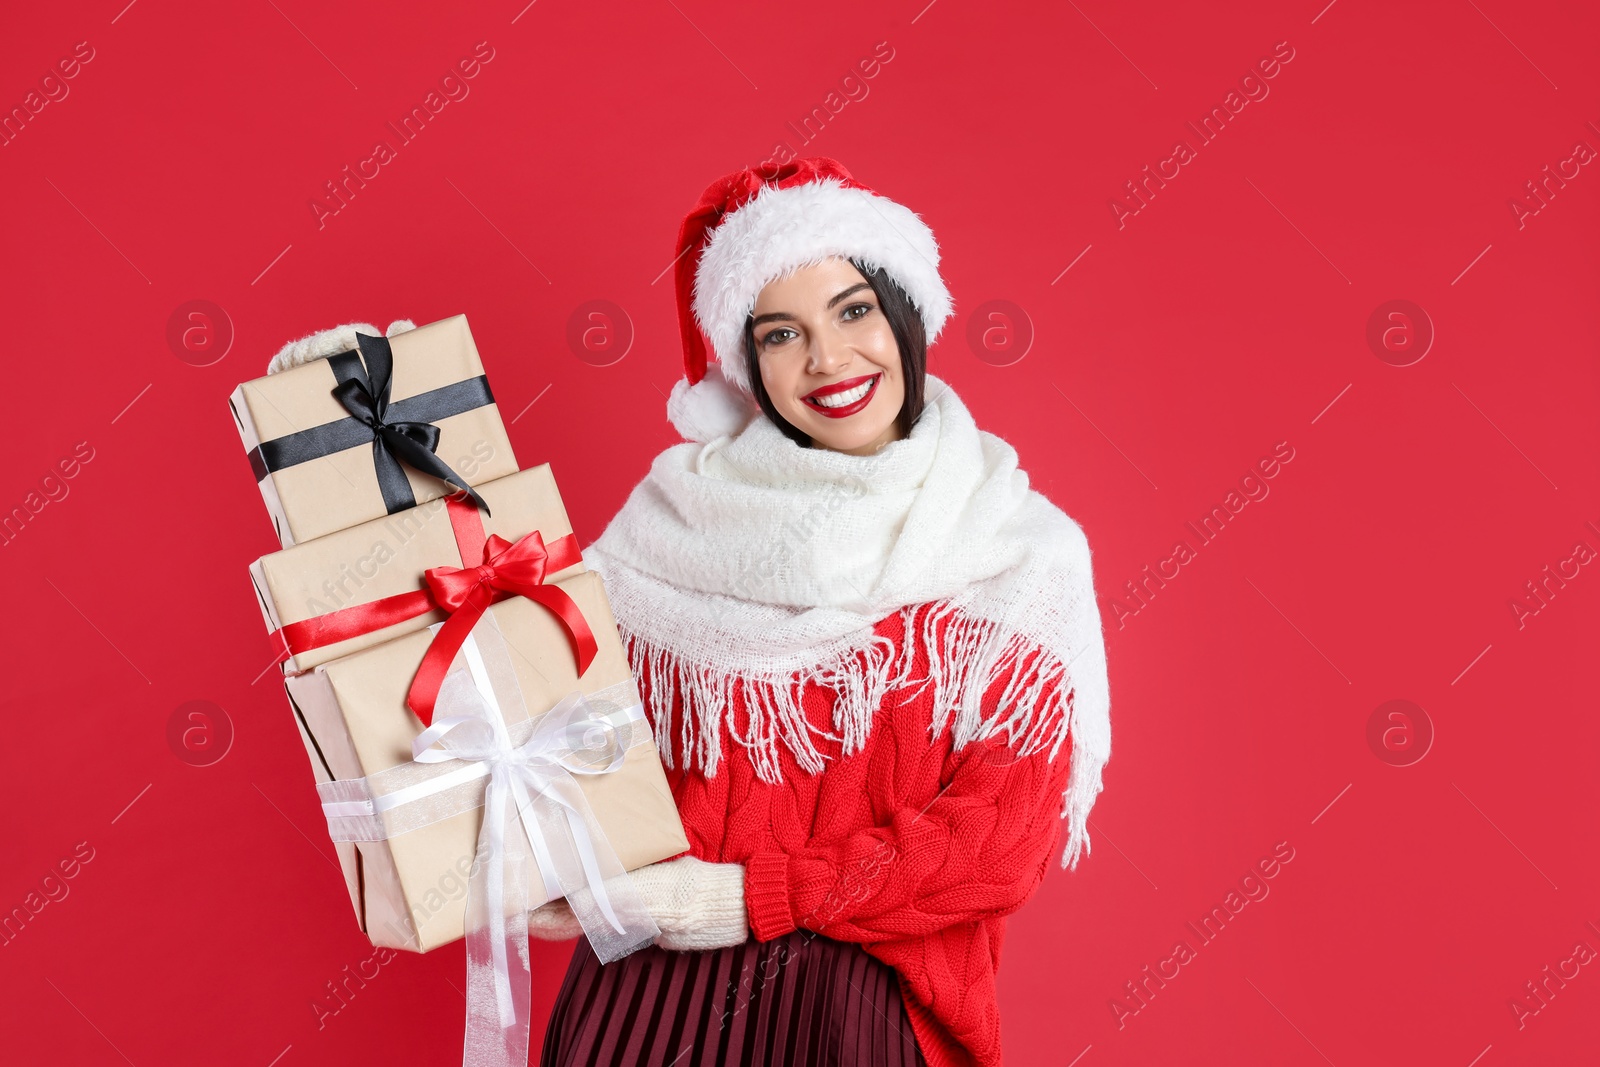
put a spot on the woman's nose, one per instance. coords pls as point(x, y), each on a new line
point(828, 353)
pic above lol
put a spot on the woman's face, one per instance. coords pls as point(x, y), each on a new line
point(828, 358)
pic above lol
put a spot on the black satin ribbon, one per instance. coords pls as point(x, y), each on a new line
point(400, 430)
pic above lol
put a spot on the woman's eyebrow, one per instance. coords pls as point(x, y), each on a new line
point(856, 288)
point(774, 315)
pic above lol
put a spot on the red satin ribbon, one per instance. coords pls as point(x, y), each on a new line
point(507, 570)
point(323, 630)
point(466, 592)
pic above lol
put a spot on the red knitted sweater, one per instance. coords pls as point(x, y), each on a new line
point(916, 852)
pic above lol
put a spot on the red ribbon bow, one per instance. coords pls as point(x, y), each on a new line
point(508, 569)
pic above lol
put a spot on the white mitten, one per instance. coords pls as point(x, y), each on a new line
point(698, 905)
point(325, 343)
point(554, 921)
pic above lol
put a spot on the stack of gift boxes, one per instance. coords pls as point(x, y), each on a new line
point(359, 459)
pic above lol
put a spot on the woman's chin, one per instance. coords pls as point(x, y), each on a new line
point(848, 435)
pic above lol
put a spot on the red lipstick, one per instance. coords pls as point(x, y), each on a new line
point(871, 382)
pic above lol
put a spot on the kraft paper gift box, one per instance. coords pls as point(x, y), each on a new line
point(410, 890)
point(317, 463)
point(386, 557)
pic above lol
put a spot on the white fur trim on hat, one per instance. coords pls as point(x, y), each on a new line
point(782, 229)
point(325, 343)
point(709, 409)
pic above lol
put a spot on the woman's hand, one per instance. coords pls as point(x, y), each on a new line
point(325, 343)
point(554, 921)
point(698, 906)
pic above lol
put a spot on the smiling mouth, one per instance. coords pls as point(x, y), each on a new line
point(844, 398)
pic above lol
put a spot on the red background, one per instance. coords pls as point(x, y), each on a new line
point(1229, 314)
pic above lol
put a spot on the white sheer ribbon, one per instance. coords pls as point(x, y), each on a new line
point(481, 732)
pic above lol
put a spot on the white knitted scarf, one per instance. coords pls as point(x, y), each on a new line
point(749, 563)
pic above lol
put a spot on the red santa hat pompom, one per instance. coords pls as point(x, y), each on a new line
point(752, 227)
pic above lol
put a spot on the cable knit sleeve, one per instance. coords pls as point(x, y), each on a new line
point(978, 849)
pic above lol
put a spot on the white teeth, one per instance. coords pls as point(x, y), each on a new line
point(849, 396)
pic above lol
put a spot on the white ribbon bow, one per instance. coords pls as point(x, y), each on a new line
point(569, 846)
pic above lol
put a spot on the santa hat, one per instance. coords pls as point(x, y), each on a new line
point(750, 228)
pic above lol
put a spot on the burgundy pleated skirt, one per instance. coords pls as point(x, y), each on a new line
point(801, 1000)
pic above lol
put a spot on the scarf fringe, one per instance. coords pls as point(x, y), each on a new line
point(966, 655)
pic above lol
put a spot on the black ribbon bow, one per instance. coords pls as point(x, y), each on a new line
point(400, 430)
point(365, 395)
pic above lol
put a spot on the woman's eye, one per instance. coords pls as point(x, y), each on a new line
point(850, 313)
point(777, 337)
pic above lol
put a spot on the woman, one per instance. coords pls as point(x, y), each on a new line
point(862, 641)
